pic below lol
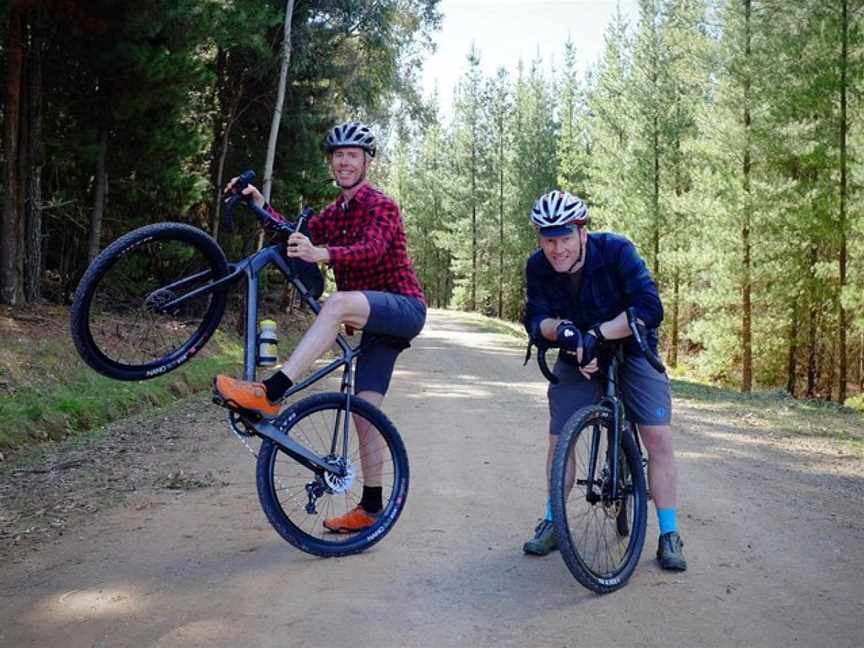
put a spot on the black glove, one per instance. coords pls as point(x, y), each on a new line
point(591, 341)
point(568, 337)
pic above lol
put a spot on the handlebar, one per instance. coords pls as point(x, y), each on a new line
point(544, 367)
point(267, 221)
point(637, 328)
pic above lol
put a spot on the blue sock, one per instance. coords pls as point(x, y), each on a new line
point(667, 519)
point(549, 510)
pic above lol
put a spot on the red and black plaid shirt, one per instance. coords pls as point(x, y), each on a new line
point(367, 245)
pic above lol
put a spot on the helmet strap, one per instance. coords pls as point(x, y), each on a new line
point(582, 245)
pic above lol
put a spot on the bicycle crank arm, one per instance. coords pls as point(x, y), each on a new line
point(296, 451)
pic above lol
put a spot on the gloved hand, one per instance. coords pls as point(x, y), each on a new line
point(568, 337)
point(591, 340)
point(585, 344)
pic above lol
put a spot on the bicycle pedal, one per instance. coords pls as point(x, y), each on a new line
point(239, 426)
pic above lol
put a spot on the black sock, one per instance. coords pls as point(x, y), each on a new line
point(276, 386)
point(371, 500)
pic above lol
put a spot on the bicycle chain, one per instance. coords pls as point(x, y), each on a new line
point(242, 438)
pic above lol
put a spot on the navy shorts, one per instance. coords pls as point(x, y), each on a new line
point(645, 392)
point(393, 321)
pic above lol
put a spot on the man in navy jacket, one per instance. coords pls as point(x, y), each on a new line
point(580, 286)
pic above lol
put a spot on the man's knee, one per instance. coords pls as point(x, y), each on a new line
point(345, 305)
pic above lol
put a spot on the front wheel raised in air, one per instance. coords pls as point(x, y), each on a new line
point(601, 530)
point(133, 317)
point(297, 499)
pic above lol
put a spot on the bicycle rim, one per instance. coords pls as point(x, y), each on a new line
point(128, 331)
point(600, 537)
point(298, 500)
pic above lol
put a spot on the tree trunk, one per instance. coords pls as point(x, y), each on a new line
point(656, 201)
point(474, 223)
point(33, 234)
point(746, 307)
point(811, 333)
point(655, 197)
point(95, 232)
point(230, 95)
point(792, 365)
point(676, 302)
point(861, 364)
point(267, 185)
point(12, 206)
point(841, 394)
point(501, 222)
point(280, 101)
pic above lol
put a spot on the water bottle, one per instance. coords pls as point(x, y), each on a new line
point(268, 354)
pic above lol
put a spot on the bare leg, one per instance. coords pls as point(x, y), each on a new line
point(372, 446)
point(662, 468)
point(350, 308)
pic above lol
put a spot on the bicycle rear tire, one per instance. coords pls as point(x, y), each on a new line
point(116, 324)
point(283, 483)
point(590, 537)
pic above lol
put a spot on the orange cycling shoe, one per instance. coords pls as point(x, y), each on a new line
point(239, 394)
point(353, 521)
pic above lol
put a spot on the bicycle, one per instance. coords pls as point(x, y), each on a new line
point(598, 484)
point(152, 299)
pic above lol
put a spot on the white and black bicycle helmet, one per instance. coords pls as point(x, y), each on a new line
point(350, 134)
point(557, 212)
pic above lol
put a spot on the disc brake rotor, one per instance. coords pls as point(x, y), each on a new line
point(340, 483)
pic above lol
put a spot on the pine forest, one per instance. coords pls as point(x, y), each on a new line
point(725, 138)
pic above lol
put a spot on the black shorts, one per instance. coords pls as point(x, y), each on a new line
point(394, 320)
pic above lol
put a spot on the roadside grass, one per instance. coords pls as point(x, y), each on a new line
point(85, 400)
point(777, 412)
point(47, 393)
point(494, 325)
point(771, 410)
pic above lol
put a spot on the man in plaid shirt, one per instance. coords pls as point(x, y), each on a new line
point(362, 238)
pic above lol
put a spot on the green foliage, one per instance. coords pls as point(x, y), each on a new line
point(181, 93)
point(720, 160)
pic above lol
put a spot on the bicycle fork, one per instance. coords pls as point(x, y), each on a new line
point(607, 489)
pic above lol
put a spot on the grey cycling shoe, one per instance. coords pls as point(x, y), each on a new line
point(670, 552)
point(545, 539)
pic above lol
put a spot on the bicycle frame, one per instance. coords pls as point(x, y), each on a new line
point(612, 402)
point(251, 268)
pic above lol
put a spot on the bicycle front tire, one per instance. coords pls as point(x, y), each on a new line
point(117, 323)
point(600, 549)
point(284, 484)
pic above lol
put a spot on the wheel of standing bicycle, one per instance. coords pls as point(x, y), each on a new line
point(298, 500)
point(120, 325)
point(600, 535)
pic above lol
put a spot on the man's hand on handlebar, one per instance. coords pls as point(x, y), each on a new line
point(584, 345)
point(250, 191)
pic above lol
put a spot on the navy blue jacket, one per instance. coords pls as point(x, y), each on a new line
point(614, 278)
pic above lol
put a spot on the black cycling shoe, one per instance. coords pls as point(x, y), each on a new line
point(670, 552)
point(545, 540)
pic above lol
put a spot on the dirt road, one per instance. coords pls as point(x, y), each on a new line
point(773, 535)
